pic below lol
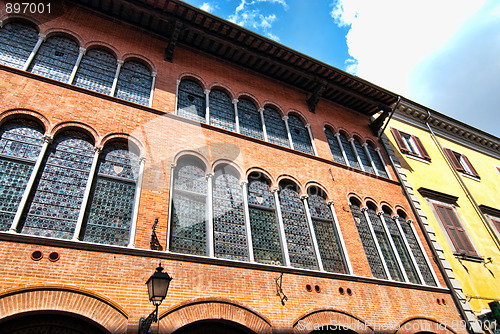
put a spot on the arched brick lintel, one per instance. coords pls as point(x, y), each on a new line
point(317, 318)
point(64, 298)
point(213, 308)
point(416, 325)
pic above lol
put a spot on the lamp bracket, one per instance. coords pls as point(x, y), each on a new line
point(279, 290)
point(145, 324)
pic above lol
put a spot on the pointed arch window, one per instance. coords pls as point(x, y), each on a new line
point(134, 83)
point(20, 144)
point(275, 127)
point(326, 232)
point(17, 40)
point(349, 152)
point(191, 101)
point(377, 161)
point(56, 58)
point(221, 110)
point(249, 118)
point(365, 160)
point(189, 208)
point(230, 233)
point(96, 71)
point(298, 236)
point(55, 201)
point(263, 221)
point(334, 145)
point(111, 205)
point(300, 135)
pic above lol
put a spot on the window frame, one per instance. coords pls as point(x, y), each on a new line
point(461, 163)
point(410, 144)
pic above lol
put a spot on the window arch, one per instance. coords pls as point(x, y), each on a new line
point(275, 127)
point(249, 118)
point(191, 101)
point(20, 145)
point(365, 160)
point(55, 201)
point(110, 207)
point(230, 241)
point(369, 246)
point(377, 161)
point(17, 40)
point(349, 152)
point(221, 110)
point(326, 232)
point(96, 71)
point(263, 220)
point(134, 83)
point(300, 136)
point(298, 235)
point(334, 146)
point(189, 208)
point(56, 58)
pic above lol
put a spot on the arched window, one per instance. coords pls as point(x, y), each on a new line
point(275, 127)
point(221, 110)
point(96, 71)
point(249, 118)
point(298, 236)
point(191, 101)
point(334, 147)
point(16, 43)
point(134, 83)
point(230, 235)
point(189, 205)
point(56, 58)
point(263, 221)
point(111, 205)
point(20, 145)
point(326, 232)
point(300, 136)
point(349, 152)
point(399, 243)
point(54, 204)
point(379, 164)
point(369, 245)
point(365, 160)
point(384, 243)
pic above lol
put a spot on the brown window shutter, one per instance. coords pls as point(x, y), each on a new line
point(497, 224)
point(421, 148)
point(454, 161)
point(399, 141)
point(470, 166)
point(455, 230)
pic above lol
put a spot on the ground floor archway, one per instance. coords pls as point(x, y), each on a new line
point(213, 327)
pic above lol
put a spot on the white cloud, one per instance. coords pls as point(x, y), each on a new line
point(207, 7)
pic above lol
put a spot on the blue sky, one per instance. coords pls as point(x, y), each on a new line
point(444, 54)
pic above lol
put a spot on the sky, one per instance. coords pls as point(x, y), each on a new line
point(443, 54)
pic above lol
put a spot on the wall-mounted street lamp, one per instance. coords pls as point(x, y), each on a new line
point(158, 285)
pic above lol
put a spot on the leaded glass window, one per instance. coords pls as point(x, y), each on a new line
point(298, 236)
point(96, 71)
point(349, 152)
point(406, 260)
point(418, 254)
point(56, 58)
point(365, 160)
point(191, 101)
point(54, 206)
point(134, 83)
point(263, 221)
point(20, 145)
point(230, 236)
point(300, 136)
point(326, 232)
point(16, 43)
point(112, 202)
point(369, 246)
point(189, 204)
point(385, 246)
point(249, 118)
point(334, 147)
point(275, 127)
point(379, 164)
point(221, 110)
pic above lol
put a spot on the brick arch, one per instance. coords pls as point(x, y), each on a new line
point(221, 162)
point(275, 106)
point(417, 325)
point(52, 32)
point(250, 97)
point(111, 137)
point(317, 318)
point(317, 185)
point(330, 126)
point(85, 303)
point(290, 178)
point(103, 46)
point(271, 179)
point(192, 77)
point(299, 115)
point(223, 88)
point(213, 308)
point(20, 18)
point(76, 126)
point(26, 113)
point(141, 59)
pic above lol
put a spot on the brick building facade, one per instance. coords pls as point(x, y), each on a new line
point(257, 162)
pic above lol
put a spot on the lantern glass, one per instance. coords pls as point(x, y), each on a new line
point(158, 285)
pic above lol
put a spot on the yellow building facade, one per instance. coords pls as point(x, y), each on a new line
point(451, 174)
